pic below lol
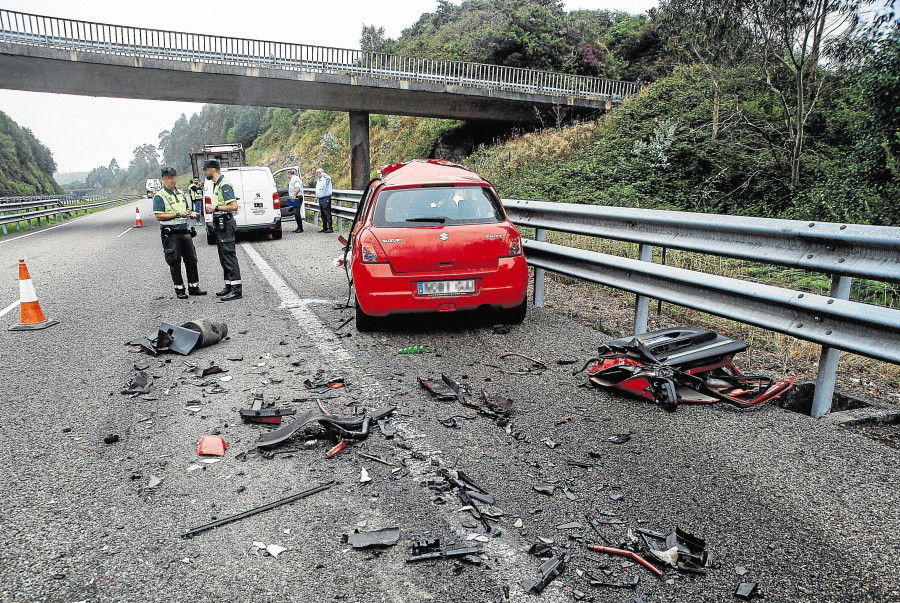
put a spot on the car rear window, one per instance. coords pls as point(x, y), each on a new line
point(411, 207)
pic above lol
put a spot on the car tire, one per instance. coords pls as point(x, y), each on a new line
point(277, 234)
point(210, 238)
point(364, 322)
point(515, 316)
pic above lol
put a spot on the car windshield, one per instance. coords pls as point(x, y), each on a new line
point(416, 207)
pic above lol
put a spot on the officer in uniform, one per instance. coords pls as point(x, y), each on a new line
point(172, 212)
point(196, 191)
point(223, 204)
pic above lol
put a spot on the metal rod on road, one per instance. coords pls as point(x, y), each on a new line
point(251, 512)
point(828, 360)
point(540, 235)
point(641, 302)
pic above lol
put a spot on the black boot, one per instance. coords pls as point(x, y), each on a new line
point(224, 291)
point(180, 293)
point(196, 290)
point(236, 293)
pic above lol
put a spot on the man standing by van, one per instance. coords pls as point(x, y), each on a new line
point(295, 190)
point(171, 210)
point(196, 192)
point(323, 194)
point(223, 204)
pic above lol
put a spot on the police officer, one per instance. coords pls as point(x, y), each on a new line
point(196, 192)
point(172, 212)
point(223, 204)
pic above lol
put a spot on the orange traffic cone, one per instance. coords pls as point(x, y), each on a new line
point(138, 222)
point(33, 317)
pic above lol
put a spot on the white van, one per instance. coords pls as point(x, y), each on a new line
point(153, 186)
point(259, 208)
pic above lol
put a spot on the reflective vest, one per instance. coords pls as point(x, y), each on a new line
point(217, 193)
point(175, 204)
point(196, 192)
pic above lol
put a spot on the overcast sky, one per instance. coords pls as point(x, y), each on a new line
point(84, 132)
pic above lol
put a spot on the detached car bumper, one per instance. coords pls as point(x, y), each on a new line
point(381, 291)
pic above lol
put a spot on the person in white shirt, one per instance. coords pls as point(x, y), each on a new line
point(295, 191)
point(323, 195)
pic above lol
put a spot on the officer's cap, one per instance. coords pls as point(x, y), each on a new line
point(169, 171)
point(211, 163)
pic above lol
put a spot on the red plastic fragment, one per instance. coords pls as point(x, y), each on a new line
point(341, 445)
point(212, 445)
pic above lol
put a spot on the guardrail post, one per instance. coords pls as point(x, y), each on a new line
point(540, 235)
point(829, 358)
point(641, 302)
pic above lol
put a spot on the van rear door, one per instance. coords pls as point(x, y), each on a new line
point(236, 178)
point(258, 198)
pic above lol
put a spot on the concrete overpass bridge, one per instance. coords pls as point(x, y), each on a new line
point(48, 54)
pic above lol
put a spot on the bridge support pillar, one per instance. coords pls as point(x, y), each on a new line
point(360, 171)
point(828, 361)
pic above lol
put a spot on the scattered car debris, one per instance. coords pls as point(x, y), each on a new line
point(501, 329)
point(324, 384)
point(619, 438)
point(182, 340)
point(272, 549)
point(111, 439)
point(747, 591)
point(624, 553)
point(212, 445)
point(377, 459)
point(139, 384)
point(153, 482)
point(272, 505)
point(387, 430)
point(380, 538)
point(683, 365)
point(547, 489)
point(547, 572)
point(534, 361)
point(351, 428)
point(417, 349)
point(438, 388)
point(423, 550)
point(340, 446)
point(257, 414)
point(364, 476)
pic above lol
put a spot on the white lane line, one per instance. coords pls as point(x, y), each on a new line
point(66, 223)
point(321, 336)
point(513, 561)
point(9, 308)
point(126, 232)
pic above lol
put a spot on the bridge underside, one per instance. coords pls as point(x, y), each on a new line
point(37, 69)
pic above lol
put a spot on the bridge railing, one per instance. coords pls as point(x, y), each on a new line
point(38, 30)
point(843, 251)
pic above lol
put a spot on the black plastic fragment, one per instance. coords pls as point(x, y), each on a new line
point(746, 590)
point(381, 538)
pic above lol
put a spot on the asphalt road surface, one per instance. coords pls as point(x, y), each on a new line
point(808, 510)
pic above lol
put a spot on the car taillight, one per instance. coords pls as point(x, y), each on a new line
point(370, 249)
point(515, 245)
point(206, 202)
point(276, 202)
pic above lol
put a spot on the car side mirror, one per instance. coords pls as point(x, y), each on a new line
point(342, 240)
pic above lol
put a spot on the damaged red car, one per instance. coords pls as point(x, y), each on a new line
point(432, 236)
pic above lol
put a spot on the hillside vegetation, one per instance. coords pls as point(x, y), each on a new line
point(731, 119)
point(26, 165)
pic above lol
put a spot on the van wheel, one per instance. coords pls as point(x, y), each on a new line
point(364, 322)
point(515, 316)
point(277, 234)
point(210, 239)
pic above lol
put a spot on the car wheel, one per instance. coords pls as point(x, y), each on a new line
point(210, 238)
point(277, 234)
point(364, 322)
point(515, 315)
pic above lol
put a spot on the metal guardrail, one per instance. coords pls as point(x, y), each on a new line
point(10, 214)
point(38, 30)
point(67, 199)
point(844, 251)
point(345, 209)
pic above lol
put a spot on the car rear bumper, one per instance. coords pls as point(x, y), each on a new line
point(381, 291)
point(275, 224)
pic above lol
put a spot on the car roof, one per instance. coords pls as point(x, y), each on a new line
point(429, 171)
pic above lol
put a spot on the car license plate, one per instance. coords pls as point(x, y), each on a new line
point(446, 287)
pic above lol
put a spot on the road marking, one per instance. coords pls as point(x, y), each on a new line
point(126, 232)
point(8, 308)
point(66, 223)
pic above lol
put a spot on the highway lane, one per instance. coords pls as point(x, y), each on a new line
point(798, 503)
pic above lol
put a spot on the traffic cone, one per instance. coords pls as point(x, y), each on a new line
point(32, 317)
point(138, 222)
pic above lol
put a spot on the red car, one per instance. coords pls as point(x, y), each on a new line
point(432, 236)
